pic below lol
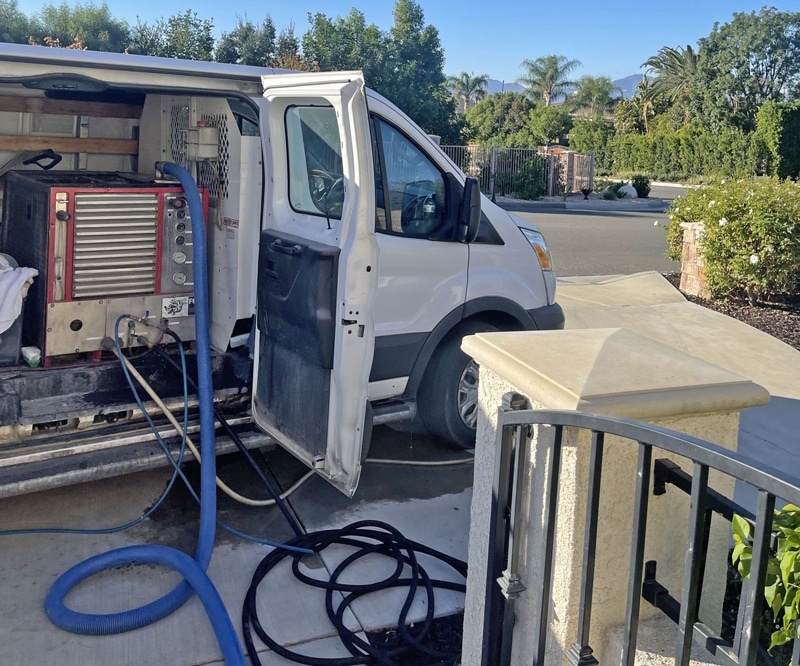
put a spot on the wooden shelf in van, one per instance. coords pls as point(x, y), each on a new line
point(60, 144)
point(62, 107)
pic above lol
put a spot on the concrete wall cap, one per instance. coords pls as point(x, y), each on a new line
point(611, 371)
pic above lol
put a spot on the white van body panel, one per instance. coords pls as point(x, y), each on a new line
point(511, 271)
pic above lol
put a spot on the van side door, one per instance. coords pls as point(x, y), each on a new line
point(317, 272)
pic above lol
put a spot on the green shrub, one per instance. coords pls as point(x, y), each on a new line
point(609, 194)
point(526, 183)
point(751, 239)
point(642, 185)
point(601, 184)
point(782, 584)
point(615, 187)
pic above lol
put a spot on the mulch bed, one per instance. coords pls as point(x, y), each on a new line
point(780, 320)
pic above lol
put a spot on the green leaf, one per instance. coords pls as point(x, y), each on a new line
point(738, 549)
point(787, 566)
point(774, 596)
point(744, 563)
point(741, 527)
point(779, 637)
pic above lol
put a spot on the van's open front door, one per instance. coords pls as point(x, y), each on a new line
point(317, 272)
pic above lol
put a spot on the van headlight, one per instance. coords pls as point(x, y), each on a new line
point(539, 246)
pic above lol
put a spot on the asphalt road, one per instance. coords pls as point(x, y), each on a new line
point(602, 242)
point(605, 242)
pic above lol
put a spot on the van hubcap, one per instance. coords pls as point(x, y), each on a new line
point(468, 395)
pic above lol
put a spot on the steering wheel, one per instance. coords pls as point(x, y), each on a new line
point(327, 192)
point(409, 212)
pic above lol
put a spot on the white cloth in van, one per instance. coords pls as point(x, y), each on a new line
point(14, 283)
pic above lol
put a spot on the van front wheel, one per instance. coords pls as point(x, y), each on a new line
point(448, 398)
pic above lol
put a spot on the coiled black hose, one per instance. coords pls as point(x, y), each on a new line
point(368, 537)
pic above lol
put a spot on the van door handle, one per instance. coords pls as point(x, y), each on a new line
point(277, 246)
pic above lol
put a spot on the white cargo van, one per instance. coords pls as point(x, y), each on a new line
point(348, 256)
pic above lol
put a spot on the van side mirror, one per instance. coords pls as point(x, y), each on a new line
point(469, 217)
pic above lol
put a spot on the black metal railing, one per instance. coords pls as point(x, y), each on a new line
point(503, 583)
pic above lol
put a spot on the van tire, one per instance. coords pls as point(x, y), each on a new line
point(448, 395)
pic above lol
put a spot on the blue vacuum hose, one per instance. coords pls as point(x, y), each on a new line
point(193, 570)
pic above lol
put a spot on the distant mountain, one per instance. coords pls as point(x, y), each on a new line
point(496, 86)
point(628, 84)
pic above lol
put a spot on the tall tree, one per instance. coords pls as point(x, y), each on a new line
point(548, 124)
point(91, 24)
point(675, 71)
point(248, 43)
point(347, 43)
point(598, 94)
point(548, 76)
point(183, 35)
point(497, 117)
point(742, 64)
point(15, 26)
point(287, 52)
point(189, 37)
point(468, 89)
point(415, 78)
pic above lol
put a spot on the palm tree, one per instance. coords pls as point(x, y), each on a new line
point(674, 70)
point(597, 93)
point(547, 76)
point(646, 96)
point(468, 88)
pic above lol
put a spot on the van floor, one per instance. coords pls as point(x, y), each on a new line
point(428, 504)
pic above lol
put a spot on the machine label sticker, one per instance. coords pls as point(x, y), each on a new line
point(177, 306)
point(230, 222)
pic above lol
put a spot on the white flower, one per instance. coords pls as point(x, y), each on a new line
point(754, 259)
point(789, 229)
point(711, 203)
point(722, 182)
point(723, 222)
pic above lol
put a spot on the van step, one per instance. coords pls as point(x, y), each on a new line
point(393, 411)
point(112, 452)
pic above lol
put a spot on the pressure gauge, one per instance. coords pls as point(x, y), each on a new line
point(179, 277)
point(179, 257)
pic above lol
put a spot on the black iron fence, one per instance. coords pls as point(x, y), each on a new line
point(524, 173)
point(503, 581)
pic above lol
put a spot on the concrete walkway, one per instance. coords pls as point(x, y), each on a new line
point(648, 304)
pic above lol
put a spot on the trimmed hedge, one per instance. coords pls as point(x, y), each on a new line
point(779, 131)
point(690, 150)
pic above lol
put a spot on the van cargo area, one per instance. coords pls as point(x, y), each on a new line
point(347, 256)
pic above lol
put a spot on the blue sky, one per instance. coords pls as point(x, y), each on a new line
point(609, 38)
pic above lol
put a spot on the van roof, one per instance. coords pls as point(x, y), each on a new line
point(55, 60)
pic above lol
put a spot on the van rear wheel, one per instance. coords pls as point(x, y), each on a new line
point(448, 398)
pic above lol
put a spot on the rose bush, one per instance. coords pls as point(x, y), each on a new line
point(750, 244)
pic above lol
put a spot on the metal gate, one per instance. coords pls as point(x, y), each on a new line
point(525, 173)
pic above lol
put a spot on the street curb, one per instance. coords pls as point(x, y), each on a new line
point(656, 205)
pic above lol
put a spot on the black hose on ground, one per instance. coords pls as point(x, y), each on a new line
point(367, 538)
point(266, 478)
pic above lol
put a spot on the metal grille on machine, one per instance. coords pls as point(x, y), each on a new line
point(115, 242)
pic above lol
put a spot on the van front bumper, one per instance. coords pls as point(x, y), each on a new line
point(547, 317)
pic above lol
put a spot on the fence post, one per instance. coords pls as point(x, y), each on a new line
point(591, 171)
point(493, 171)
point(551, 174)
point(602, 369)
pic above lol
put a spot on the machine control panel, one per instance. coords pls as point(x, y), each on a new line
point(177, 269)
